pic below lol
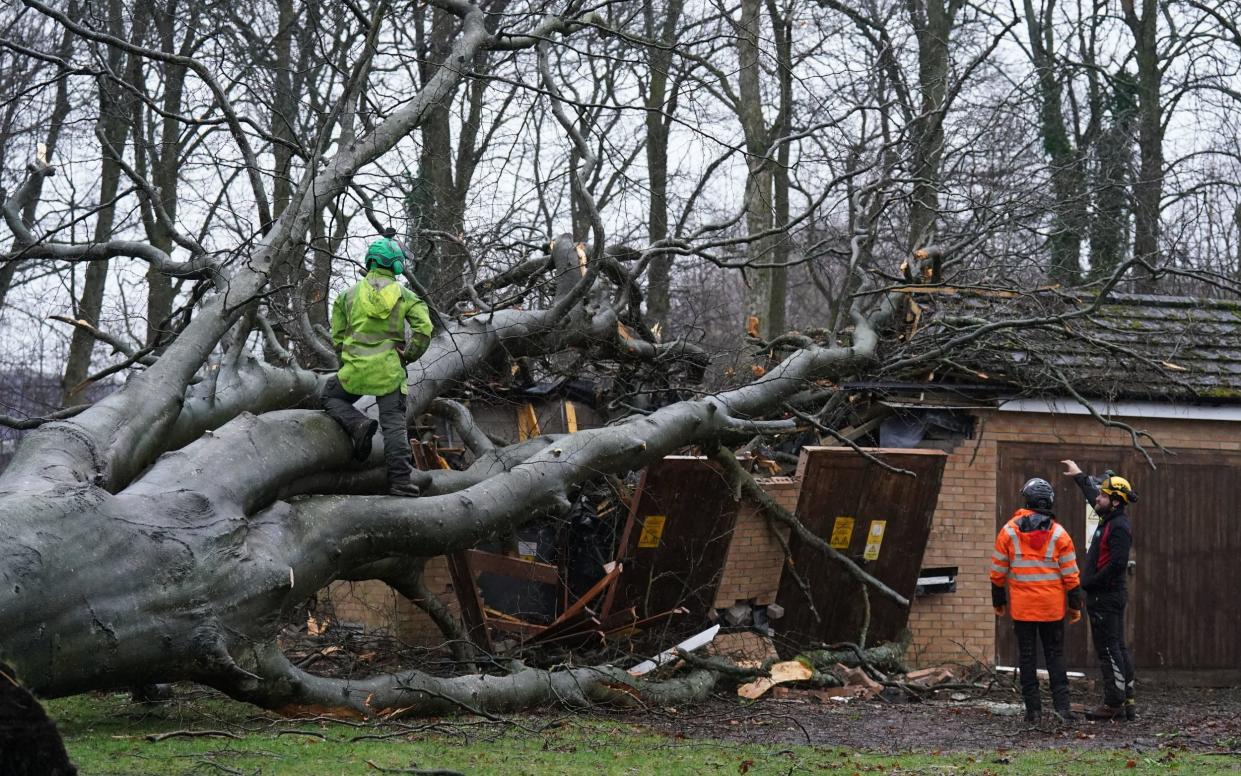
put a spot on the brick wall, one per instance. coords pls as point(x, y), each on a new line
point(755, 554)
point(375, 606)
point(960, 626)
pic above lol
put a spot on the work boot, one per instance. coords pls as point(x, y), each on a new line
point(1033, 715)
point(408, 489)
point(1131, 710)
point(362, 436)
point(1105, 711)
point(1066, 714)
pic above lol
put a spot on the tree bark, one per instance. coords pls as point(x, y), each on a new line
point(1068, 205)
point(932, 21)
point(166, 165)
point(658, 121)
point(783, 30)
point(761, 292)
point(1109, 228)
point(1148, 187)
point(115, 105)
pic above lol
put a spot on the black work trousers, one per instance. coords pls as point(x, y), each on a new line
point(339, 405)
point(1052, 636)
point(1107, 631)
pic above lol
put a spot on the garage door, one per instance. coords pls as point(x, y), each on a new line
point(1187, 548)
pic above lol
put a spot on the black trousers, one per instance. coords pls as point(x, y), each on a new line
point(1107, 630)
point(1052, 636)
point(339, 405)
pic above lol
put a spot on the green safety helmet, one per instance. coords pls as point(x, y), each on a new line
point(386, 253)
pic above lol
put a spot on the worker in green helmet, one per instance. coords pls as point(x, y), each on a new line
point(378, 326)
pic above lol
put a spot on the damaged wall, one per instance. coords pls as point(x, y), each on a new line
point(751, 574)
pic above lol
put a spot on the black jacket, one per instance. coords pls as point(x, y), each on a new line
point(1108, 558)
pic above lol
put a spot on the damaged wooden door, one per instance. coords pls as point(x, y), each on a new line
point(880, 519)
point(677, 540)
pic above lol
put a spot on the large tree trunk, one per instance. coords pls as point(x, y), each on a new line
point(114, 117)
point(658, 121)
point(764, 298)
point(1148, 187)
point(187, 569)
point(1068, 206)
point(1109, 228)
point(932, 21)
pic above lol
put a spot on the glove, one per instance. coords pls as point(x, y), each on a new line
point(1075, 616)
point(999, 610)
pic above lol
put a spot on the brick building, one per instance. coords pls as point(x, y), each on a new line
point(1184, 549)
point(1175, 375)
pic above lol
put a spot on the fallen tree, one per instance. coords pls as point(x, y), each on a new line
point(167, 531)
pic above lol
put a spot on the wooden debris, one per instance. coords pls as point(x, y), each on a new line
point(515, 568)
point(637, 625)
point(929, 677)
point(858, 680)
point(788, 671)
point(471, 604)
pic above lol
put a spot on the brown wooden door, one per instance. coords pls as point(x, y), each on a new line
point(1186, 550)
point(682, 521)
point(1188, 564)
point(838, 484)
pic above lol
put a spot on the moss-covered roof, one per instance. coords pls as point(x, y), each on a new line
point(1129, 347)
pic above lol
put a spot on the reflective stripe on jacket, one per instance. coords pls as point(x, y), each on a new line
point(368, 331)
point(1038, 566)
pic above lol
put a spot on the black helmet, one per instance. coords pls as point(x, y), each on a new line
point(1038, 493)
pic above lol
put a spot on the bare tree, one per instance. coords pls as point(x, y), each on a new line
point(167, 530)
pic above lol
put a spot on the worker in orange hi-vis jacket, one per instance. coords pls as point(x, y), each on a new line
point(1033, 574)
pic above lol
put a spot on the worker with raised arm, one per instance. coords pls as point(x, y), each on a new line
point(1033, 575)
point(378, 326)
point(1103, 580)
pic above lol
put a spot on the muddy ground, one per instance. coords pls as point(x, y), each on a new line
point(966, 718)
point(1202, 720)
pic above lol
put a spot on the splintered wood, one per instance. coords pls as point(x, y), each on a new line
point(789, 671)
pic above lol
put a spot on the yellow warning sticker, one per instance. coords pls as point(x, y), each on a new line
point(652, 531)
point(842, 533)
point(874, 539)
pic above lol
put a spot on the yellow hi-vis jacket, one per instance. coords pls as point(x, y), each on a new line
point(368, 331)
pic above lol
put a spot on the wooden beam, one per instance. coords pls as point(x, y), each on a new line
point(654, 619)
point(523, 629)
point(516, 568)
point(564, 622)
point(471, 604)
point(623, 544)
point(527, 422)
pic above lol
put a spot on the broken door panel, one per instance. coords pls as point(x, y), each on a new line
point(880, 519)
point(676, 543)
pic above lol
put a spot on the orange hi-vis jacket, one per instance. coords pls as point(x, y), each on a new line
point(1039, 567)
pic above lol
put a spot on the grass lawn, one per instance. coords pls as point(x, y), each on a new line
point(106, 734)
